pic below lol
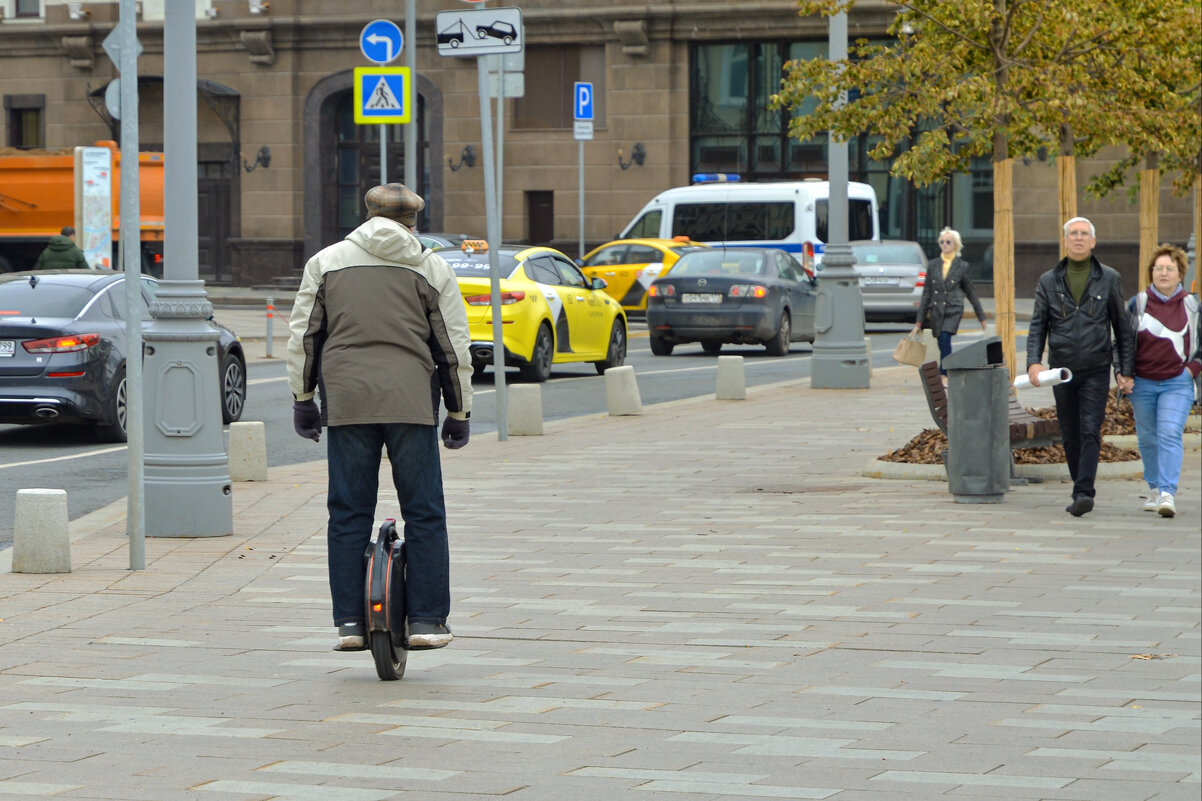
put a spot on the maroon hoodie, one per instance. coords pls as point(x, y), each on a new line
point(1164, 327)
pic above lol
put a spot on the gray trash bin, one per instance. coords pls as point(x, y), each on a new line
point(978, 422)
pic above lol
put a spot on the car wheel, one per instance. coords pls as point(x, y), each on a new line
point(616, 355)
point(779, 344)
point(478, 369)
point(539, 368)
point(233, 389)
point(114, 430)
point(711, 346)
point(660, 346)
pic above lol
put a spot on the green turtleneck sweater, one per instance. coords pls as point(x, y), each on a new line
point(1077, 277)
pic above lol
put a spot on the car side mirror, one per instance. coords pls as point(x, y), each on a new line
point(599, 283)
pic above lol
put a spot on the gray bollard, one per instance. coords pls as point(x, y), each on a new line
point(248, 451)
point(270, 321)
point(868, 352)
point(525, 410)
point(41, 540)
point(622, 391)
point(932, 345)
point(732, 384)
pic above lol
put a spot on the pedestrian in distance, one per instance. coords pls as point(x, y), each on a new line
point(947, 285)
point(62, 253)
point(379, 325)
point(1163, 318)
point(1080, 316)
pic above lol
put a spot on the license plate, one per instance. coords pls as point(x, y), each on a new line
point(879, 280)
point(7, 347)
point(697, 297)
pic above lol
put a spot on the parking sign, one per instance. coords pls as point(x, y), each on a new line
point(582, 105)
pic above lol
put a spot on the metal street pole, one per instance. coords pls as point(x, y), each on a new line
point(131, 263)
point(188, 489)
point(411, 132)
point(840, 357)
point(492, 227)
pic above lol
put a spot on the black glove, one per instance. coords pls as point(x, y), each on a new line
point(455, 432)
point(306, 419)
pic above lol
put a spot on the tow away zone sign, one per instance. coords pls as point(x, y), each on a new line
point(381, 95)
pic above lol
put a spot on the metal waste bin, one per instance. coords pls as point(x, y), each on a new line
point(978, 422)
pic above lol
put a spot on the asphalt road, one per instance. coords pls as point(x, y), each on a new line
point(95, 474)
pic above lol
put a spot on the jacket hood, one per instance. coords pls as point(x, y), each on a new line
point(388, 240)
point(60, 242)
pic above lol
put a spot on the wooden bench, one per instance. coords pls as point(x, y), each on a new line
point(1026, 430)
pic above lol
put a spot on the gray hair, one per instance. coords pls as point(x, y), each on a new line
point(955, 235)
point(1092, 231)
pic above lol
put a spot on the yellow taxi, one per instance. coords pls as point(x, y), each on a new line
point(628, 266)
point(550, 312)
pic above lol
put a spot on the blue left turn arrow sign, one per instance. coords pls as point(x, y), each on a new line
point(381, 41)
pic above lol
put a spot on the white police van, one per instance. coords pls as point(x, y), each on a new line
point(790, 215)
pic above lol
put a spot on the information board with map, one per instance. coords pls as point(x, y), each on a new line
point(94, 205)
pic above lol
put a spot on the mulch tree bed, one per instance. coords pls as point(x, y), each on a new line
point(928, 447)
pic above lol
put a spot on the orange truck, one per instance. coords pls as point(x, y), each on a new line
point(37, 198)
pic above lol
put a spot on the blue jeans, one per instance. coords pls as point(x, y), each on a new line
point(1161, 409)
point(1081, 410)
point(354, 467)
point(945, 348)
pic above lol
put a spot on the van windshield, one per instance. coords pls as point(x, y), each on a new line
point(734, 222)
point(859, 220)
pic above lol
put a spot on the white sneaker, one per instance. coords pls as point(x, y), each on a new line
point(1152, 504)
point(1167, 508)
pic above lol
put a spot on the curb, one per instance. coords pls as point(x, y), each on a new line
point(1040, 472)
point(1193, 441)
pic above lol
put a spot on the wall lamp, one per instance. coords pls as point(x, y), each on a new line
point(466, 156)
point(638, 154)
point(262, 157)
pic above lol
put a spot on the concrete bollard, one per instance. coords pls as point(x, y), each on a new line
point(525, 410)
point(41, 540)
point(622, 391)
point(932, 345)
point(248, 451)
point(732, 384)
point(868, 352)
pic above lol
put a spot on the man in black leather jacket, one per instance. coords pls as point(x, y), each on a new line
point(1078, 304)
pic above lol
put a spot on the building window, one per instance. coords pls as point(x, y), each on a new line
point(29, 8)
point(24, 120)
point(549, 105)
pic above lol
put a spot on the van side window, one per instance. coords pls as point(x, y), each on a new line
point(647, 226)
point(715, 222)
point(859, 220)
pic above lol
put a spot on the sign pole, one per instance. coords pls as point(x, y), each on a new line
point(411, 101)
point(383, 153)
point(494, 240)
point(580, 252)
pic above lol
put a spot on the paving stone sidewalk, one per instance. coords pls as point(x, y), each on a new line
point(707, 601)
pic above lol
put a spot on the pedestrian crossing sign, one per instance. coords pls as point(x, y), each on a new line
point(382, 95)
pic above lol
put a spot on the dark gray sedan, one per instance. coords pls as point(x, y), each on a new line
point(891, 275)
point(63, 350)
point(760, 296)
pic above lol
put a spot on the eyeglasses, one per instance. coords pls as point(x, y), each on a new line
point(946, 242)
point(1164, 268)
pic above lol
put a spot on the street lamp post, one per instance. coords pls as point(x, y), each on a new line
point(840, 357)
point(188, 490)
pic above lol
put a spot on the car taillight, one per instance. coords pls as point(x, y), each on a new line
point(486, 300)
point(922, 278)
point(748, 291)
point(661, 290)
point(62, 344)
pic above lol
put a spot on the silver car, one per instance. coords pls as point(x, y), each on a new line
point(892, 273)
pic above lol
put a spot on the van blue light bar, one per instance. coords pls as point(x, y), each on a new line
point(715, 177)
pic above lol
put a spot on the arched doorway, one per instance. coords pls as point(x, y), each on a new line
point(342, 159)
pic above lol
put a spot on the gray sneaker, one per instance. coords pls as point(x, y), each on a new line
point(1152, 504)
point(352, 637)
point(429, 635)
point(1167, 508)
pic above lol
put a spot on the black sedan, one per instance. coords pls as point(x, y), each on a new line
point(63, 350)
point(732, 295)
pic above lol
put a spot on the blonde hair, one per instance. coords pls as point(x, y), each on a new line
point(955, 235)
point(1172, 251)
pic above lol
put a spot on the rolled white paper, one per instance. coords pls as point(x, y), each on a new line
point(1047, 378)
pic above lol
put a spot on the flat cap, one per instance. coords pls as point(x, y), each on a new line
point(394, 201)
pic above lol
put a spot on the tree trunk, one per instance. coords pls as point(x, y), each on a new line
point(1003, 258)
point(1066, 167)
point(1149, 210)
point(1196, 285)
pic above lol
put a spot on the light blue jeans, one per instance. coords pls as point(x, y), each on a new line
point(1161, 409)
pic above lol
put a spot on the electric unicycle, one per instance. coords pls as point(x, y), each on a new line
point(384, 595)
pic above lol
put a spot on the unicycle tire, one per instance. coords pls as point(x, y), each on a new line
point(390, 660)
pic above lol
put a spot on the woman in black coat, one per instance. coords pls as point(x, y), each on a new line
point(943, 294)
